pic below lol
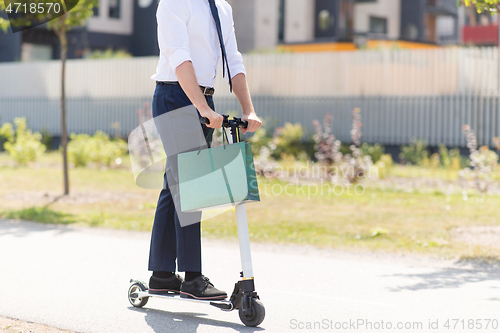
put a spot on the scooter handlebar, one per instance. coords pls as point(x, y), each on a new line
point(241, 123)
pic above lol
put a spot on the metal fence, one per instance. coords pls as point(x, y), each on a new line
point(403, 94)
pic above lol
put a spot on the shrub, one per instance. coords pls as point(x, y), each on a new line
point(482, 162)
point(287, 141)
point(347, 162)
point(47, 138)
point(384, 165)
point(434, 161)
point(108, 54)
point(451, 159)
point(356, 164)
point(23, 145)
point(6, 134)
point(374, 151)
point(327, 149)
point(416, 153)
point(99, 149)
point(258, 140)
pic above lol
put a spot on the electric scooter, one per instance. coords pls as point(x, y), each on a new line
point(244, 297)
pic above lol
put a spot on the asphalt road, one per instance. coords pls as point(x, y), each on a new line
point(77, 279)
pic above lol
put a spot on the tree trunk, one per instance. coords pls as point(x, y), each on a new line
point(64, 130)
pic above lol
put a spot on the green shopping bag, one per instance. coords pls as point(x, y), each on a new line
point(217, 177)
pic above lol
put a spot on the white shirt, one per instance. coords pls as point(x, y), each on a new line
point(187, 32)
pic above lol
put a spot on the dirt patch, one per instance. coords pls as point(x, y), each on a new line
point(75, 198)
point(17, 326)
point(479, 235)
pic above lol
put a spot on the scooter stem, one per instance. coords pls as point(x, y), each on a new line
point(244, 240)
point(242, 224)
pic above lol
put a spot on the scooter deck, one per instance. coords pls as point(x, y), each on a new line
point(223, 304)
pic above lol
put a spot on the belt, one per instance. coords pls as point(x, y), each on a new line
point(205, 90)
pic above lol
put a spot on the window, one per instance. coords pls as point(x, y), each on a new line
point(378, 25)
point(281, 24)
point(445, 26)
point(114, 8)
point(411, 32)
point(325, 20)
point(326, 15)
point(95, 10)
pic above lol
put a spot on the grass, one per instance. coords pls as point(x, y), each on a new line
point(39, 214)
point(377, 220)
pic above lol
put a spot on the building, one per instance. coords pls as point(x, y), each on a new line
point(118, 24)
point(480, 29)
point(313, 25)
point(297, 25)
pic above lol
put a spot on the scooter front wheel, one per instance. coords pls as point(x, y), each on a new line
point(258, 314)
point(133, 297)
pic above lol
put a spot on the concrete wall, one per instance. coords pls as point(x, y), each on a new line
point(244, 23)
point(388, 9)
point(105, 24)
point(299, 21)
point(266, 27)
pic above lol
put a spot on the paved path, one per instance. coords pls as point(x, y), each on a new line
point(77, 279)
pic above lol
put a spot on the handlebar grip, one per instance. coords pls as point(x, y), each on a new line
point(204, 121)
point(244, 124)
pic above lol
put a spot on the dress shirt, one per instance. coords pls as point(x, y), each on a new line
point(187, 32)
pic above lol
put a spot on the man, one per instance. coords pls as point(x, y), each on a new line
point(194, 37)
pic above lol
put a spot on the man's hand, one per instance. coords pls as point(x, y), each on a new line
point(240, 89)
point(214, 118)
point(253, 123)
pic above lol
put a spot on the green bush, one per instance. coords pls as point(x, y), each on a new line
point(47, 138)
point(416, 153)
point(98, 149)
point(22, 145)
point(6, 134)
point(258, 140)
point(374, 151)
point(108, 54)
point(384, 165)
point(287, 141)
point(458, 161)
point(451, 159)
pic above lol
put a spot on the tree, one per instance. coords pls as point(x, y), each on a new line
point(482, 5)
point(77, 15)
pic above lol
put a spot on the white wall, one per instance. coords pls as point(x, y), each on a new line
point(256, 24)
point(299, 21)
point(105, 24)
point(244, 23)
point(266, 24)
point(389, 9)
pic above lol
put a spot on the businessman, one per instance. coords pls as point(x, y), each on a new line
point(195, 37)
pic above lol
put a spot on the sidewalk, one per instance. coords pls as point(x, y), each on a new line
point(77, 279)
point(8, 325)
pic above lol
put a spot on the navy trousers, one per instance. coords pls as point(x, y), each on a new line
point(169, 241)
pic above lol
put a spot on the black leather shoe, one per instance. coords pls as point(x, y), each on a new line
point(163, 286)
point(201, 288)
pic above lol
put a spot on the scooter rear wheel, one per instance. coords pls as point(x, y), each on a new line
point(258, 314)
point(135, 301)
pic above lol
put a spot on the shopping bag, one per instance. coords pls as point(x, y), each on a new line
point(217, 177)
